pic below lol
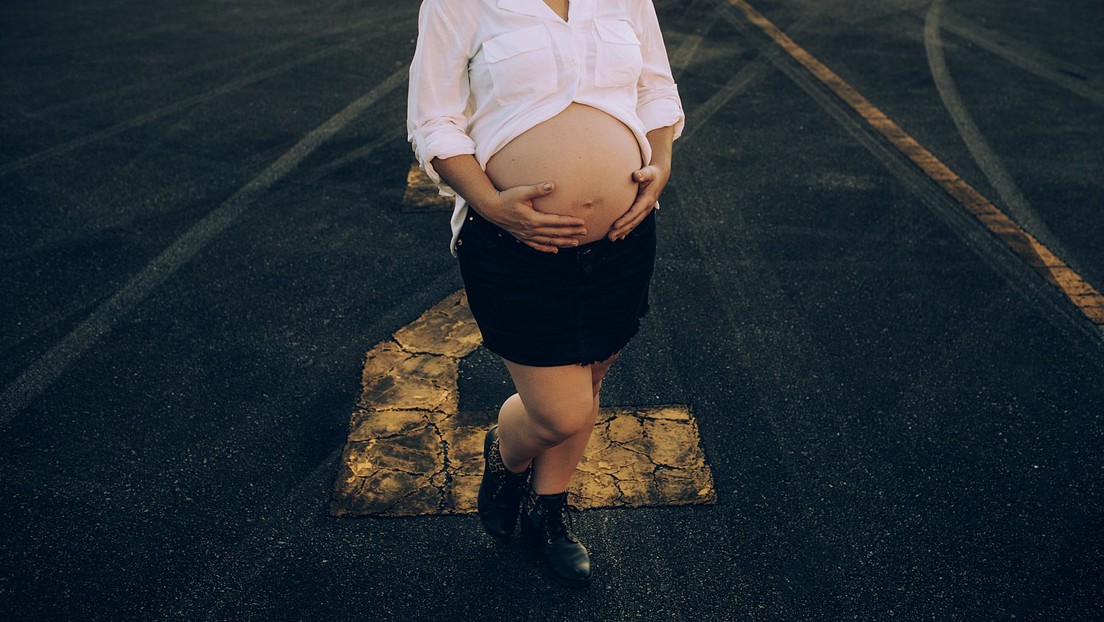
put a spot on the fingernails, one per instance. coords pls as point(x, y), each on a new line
point(548, 187)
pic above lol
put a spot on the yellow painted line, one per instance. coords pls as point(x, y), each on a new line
point(411, 451)
point(1038, 256)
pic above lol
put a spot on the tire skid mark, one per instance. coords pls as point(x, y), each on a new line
point(45, 370)
point(181, 105)
point(1083, 295)
point(688, 49)
point(188, 72)
point(1040, 64)
point(119, 31)
point(752, 72)
point(984, 155)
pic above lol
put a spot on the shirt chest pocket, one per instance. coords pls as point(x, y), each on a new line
point(618, 61)
point(521, 64)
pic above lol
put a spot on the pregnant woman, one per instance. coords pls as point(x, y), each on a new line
point(551, 123)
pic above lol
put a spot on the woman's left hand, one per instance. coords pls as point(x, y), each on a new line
point(650, 181)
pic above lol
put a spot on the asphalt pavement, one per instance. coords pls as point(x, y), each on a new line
point(203, 234)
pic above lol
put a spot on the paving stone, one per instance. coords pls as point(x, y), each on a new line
point(411, 452)
point(631, 461)
point(410, 382)
point(448, 328)
point(369, 424)
point(677, 412)
point(666, 444)
point(398, 475)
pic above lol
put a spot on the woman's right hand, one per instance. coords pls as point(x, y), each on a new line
point(513, 210)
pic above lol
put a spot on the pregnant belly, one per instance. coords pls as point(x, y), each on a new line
point(589, 156)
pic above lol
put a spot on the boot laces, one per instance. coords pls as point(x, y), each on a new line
point(507, 479)
point(502, 476)
point(555, 525)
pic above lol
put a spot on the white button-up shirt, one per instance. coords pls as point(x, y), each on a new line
point(485, 71)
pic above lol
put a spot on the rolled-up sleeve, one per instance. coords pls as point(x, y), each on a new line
point(436, 123)
point(658, 104)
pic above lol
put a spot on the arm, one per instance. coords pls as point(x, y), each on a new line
point(437, 129)
point(438, 92)
point(660, 109)
point(512, 208)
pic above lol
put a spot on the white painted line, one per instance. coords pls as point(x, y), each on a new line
point(183, 104)
point(987, 159)
point(237, 60)
point(47, 368)
point(1041, 64)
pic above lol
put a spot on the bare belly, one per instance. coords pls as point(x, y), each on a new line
point(589, 156)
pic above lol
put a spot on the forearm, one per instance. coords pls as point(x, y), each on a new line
point(661, 139)
point(464, 175)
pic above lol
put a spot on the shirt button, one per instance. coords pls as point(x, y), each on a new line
point(574, 63)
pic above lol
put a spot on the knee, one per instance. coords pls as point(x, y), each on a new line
point(568, 416)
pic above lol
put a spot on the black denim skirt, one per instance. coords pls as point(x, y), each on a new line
point(578, 306)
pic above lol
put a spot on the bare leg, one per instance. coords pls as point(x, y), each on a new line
point(549, 420)
point(552, 470)
point(517, 447)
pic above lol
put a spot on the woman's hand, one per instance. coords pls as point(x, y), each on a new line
point(650, 181)
point(512, 209)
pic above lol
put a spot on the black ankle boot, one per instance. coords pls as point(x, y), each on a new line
point(500, 491)
point(543, 527)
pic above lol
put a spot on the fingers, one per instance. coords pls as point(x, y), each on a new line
point(542, 231)
point(543, 247)
point(545, 231)
point(559, 232)
point(549, 244)
point(623, 225)
point(550, 230)
point(651, 181)
point(556, 221)
point(537, 190)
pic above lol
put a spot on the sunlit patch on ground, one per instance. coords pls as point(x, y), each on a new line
point(411, 452)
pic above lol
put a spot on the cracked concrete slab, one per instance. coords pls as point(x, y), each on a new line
point(395, 379)
point(411, 452)
point(448, 329)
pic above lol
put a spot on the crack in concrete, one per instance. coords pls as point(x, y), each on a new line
point(442, 490)
point(410, 451)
